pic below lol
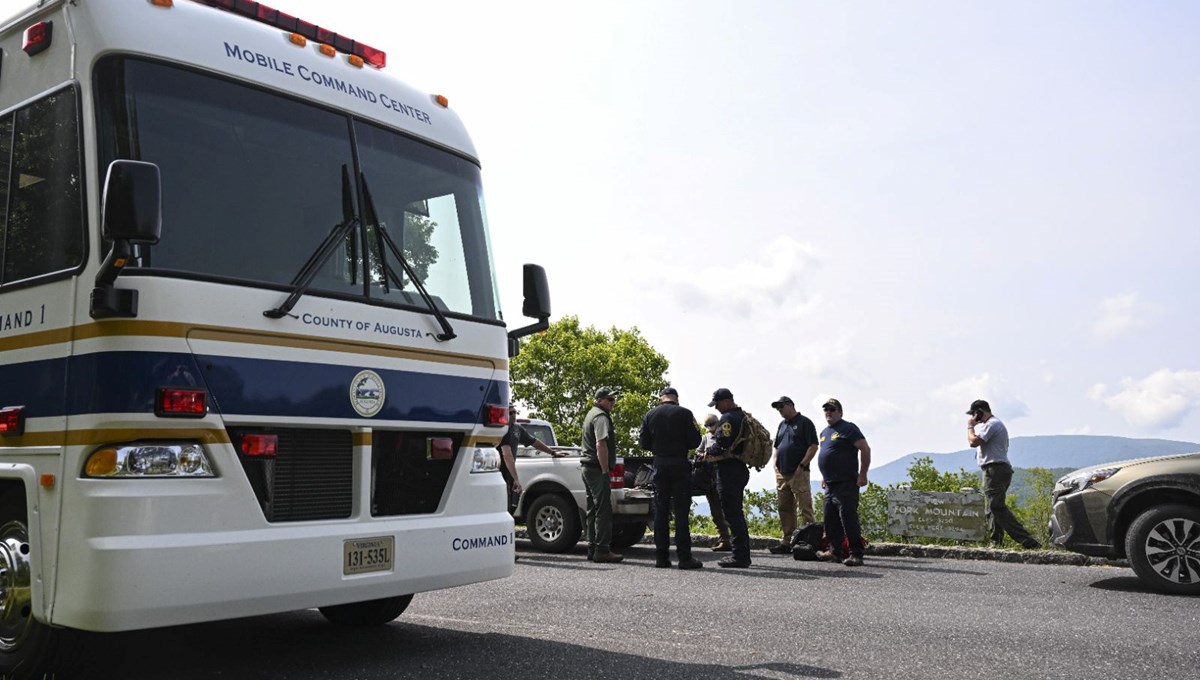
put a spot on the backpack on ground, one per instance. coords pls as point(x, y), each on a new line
point(756, 443)
point(806, 541)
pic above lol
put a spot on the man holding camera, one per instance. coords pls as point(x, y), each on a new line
point(990, 436)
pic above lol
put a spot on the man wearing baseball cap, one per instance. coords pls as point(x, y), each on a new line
point(795, 447)
point(732, 476)
point(841, 445)
point(990, 436)
point(669, 431)
point(599, 454)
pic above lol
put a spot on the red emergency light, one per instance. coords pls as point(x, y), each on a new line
point(260, 445)
point(273, 17)
point(181, 403)
point(12, 421)
point(37, 37)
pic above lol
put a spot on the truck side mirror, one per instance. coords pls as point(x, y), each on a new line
point(131, 214)
point(537, 306)
point(537, 293)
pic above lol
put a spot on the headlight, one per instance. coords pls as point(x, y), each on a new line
point(485, 460)
point(149, 460)
point(1080, 481)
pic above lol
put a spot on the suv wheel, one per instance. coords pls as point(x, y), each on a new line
point(552, 523)
point(1163, 545)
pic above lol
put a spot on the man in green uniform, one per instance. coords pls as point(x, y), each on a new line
point(599, 456)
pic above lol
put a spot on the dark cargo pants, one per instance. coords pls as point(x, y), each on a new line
point(841, 517)
point(598, 522)
point(672, 497)
point(732, 477)
point(996, 479)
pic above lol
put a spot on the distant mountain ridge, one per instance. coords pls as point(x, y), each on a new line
point(1047, 451)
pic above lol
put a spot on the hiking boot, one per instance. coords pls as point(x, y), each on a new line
point(780, 549)
point(591, 553)
point(691, 563)
point(853, 561)
point(1031, 544)
point(732, 562)
point(662, 563)
point(722, 546)
point(607, 557)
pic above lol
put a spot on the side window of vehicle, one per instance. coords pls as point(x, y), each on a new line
point(41, 189)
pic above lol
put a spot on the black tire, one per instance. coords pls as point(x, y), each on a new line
point(1163, 546)
point(628, 534)
point(28, 648)
point(369, 613)
point(552, 523)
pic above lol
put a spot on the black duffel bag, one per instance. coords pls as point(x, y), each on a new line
point(702, 478)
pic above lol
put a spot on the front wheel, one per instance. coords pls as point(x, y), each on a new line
point(1163, 546)
point(369, 613)
point(552, 523)
point(28, 648)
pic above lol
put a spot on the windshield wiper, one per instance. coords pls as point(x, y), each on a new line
point(309, 271)
point(372, 218)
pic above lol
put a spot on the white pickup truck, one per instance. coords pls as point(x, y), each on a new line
point(553, 500)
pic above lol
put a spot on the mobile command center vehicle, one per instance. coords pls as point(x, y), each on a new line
point(251, 354)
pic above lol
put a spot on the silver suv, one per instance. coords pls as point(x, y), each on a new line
point(1146, 510)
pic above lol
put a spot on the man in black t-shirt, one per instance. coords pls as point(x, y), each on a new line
point(514, 437)
point(840, 448)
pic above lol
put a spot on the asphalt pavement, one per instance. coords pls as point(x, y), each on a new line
point(561, 616)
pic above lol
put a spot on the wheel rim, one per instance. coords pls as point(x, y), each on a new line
point(549, 523)
point(1173, 550)
point(15, 596)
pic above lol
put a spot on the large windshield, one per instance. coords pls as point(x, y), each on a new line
point(252, 185)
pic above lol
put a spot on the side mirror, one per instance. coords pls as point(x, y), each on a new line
point(131, 214)
point(537, 306)
point(537, 293)
point(132, 208)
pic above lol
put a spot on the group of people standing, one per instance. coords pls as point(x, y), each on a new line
point(841, 451)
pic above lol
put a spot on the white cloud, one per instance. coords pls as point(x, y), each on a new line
point(1118, 315)
point(765, 283)
point(959, 395)
point(1161, 400)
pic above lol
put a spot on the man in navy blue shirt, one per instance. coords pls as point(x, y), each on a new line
point(795, 447)
point(841, 446)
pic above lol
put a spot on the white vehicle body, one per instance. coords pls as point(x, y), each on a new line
point(553, 526)
point(368, 408)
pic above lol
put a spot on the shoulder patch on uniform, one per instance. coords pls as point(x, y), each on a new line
point(726, 429)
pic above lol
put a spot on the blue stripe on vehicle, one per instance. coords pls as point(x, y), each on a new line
point(126, 382)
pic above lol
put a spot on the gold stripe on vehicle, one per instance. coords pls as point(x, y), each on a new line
point(168, 329)
point(361, 438)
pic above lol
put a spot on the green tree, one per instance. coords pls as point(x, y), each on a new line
point(923, 476)
point(558, 371)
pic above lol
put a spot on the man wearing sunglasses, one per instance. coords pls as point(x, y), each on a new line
point(990, 436)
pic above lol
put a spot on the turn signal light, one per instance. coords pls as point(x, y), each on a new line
point(440, 448)
point(12, 421)
point(173, 402)
point(260, 445)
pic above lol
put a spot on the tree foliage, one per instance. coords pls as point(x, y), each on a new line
point(557, 373)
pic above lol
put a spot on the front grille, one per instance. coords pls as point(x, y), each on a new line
point(311, 476)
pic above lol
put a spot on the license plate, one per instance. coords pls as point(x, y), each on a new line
point(364, 555)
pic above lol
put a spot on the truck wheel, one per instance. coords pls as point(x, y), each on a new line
point(28, 648)
point(369, 613)
point(628, 534)
point(553, 523)
point(1163, 546)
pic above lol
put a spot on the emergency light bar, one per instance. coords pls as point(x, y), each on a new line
point(273, 17)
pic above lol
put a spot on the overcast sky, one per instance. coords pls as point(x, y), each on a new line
point(907, 206)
